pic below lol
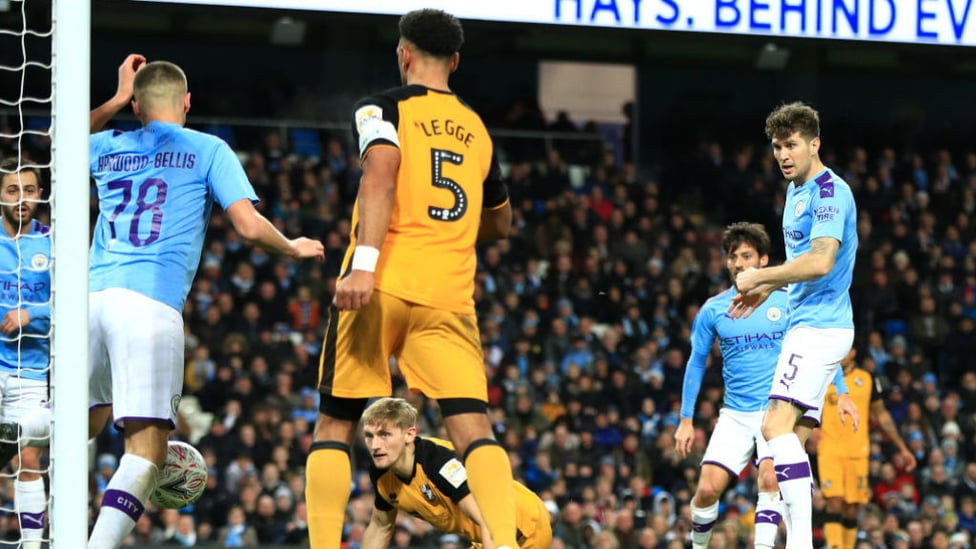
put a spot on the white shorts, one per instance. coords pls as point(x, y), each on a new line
point(19, 396)
point(808, 362)
point(135, 359)
point(736, 440)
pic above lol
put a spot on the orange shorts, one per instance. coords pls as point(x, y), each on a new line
point(438, 352)
point(533, 520)
point(844, 477)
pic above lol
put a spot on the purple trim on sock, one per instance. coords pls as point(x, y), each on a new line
point(768, 517)
point(97, 406)
point(34, 521)
point(120, 422)
point(125, 502)
point(792, 471)
point(702, 528)
point(729, 471)
point(795, 402)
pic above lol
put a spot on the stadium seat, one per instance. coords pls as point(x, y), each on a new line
point(224, 132)
point(305, 142)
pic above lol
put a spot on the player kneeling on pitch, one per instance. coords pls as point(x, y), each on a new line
point(424, 477)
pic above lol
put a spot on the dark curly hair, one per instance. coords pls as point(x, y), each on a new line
point(753, 234)
point(793, 117)
point(435, 32)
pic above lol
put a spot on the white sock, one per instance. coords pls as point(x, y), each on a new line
point(786, 515)
point(35, 427)
point(123, 502)
point(31, 504)
point(702, 521)
point(767, 519)
point(796, 485)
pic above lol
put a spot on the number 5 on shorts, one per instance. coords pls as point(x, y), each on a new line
point(791, 375)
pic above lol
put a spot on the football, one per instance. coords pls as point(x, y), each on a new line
point(183, 478)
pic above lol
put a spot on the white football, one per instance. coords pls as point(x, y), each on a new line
point(183, 478)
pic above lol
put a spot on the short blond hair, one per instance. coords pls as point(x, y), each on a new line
point(160, 85)
point(391, 412)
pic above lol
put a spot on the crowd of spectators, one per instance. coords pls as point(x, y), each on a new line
point(585, 313)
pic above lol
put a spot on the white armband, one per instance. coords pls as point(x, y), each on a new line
point(364, 258)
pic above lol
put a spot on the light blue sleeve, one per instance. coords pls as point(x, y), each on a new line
point(831, 204)
point(702, 338)
point(227, 179)
point(40, 319)
point(840, 383)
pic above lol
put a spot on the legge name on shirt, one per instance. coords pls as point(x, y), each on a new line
point(136, 162)
point(437, 126)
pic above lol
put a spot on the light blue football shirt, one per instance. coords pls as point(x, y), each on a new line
point(750, 348)
point(25, 283)
point(821, 207)
point(156, 187)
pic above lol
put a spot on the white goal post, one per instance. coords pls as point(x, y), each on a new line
point(70, 220)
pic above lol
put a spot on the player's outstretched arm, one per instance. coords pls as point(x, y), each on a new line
point(813, 264)
point(881, 415)
point(379, 531)
point(256, 229)
point(756, 285)
point(123, 93)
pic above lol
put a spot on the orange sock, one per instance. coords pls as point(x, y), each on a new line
point(850, 532)
point(491, 483)
point(328, 476)
point(834, 533)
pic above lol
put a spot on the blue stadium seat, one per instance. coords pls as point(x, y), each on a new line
point(895, 326)
point(224, 132)
point(305, 142)
point(38, 123)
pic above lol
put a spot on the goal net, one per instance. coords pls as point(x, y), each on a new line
point(44, 81)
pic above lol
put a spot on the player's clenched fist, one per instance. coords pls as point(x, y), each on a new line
point(354, 291)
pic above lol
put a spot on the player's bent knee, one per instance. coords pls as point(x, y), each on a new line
point(707, 494)
point(835, 506)
point(147, 439)
point(345, 409)
point(779, 420)
point(767, 478)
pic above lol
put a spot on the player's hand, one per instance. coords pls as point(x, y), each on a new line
point(683, 437)
point(747, 280)
point(909, 458)
point(14, 320)
point(308, 248)
point(751, 293)
point(127, 75)
point(846, 406)
point(743, 305)
point(354, 291)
